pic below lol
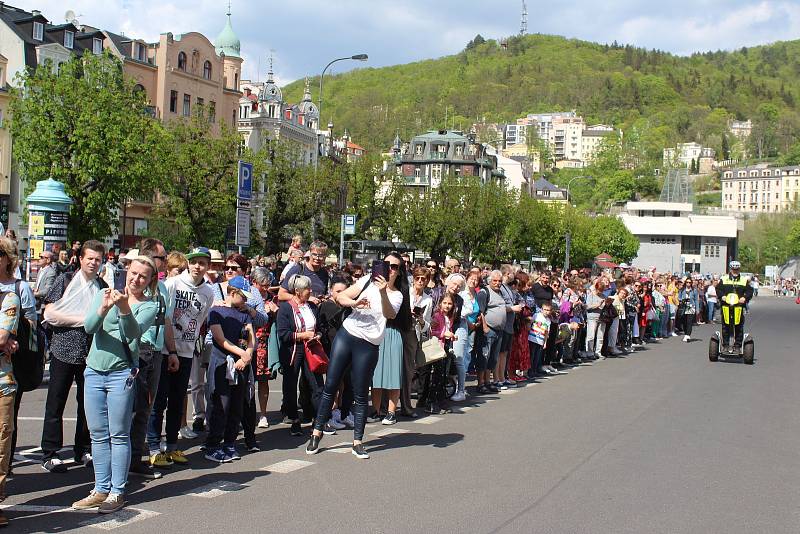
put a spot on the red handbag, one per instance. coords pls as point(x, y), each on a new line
point(316, 357)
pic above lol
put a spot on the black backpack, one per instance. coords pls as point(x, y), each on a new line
point(28, 361)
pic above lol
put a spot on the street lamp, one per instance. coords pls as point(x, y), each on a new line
point(570, 183)
point(357, 57)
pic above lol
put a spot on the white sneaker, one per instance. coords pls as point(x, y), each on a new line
point(187, 433)
point(460, 396)
point(599, 356)
point(86, 459)
point(263, 423)
point(674, 334)
point(686, 338)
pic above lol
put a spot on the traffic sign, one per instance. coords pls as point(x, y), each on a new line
point(349, 224)
point(243, 203)
point(245, 190)
point(242, 228)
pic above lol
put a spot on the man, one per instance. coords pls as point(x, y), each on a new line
point(216, 270)
point(512, 307)
point(10, 310)
point(313, 267)
point(452, 266)
point(45, 278)
point(156, 338)
point(543, 293)
point(192, 298)
point(73, 255)
point(733, 293)
point(493, 307)
point(65, 310)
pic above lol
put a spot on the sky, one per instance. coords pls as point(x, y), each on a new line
point(303, 35)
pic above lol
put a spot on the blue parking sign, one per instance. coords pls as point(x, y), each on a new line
point(245, 189)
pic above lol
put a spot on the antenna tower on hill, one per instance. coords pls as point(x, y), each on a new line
point(523, 25)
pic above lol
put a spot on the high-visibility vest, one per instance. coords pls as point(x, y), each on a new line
point(731, 300)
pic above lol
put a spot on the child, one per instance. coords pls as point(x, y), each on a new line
point(229, 372)
point(537, 339)
point(441, 325)
point(434, 375)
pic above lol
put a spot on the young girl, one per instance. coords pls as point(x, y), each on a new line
point(229, 371)
point(537, 339)
point(441, 329)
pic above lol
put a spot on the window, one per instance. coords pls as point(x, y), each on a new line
point(417, 171)
point(207, 70)
point(201, 101)
point(690, 245)
point(38, 31)
point(436, 171)
point(236, 81)
point(187, 105)
point(97, 46)
point(141, 54)
point(173, 101)
point(418, 149)
point(69, 39)
point(182, 61)
point(2, 121)
point(212, 111)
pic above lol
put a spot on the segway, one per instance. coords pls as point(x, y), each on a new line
point(731, 316)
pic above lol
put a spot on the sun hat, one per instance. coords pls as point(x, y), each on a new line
point(216, 256)
point(198, 252)
point(131, 255)
point(240, 283)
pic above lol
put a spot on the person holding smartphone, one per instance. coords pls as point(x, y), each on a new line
point(297, 324)
point(116, 321)
point(374, 301)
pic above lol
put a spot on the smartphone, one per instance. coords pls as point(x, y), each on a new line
point(380, 268)
point(120, 276)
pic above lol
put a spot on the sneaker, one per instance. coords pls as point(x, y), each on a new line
point(491, 388)
point(286, 420)
point(599, 356)
point(217, 455)
point(349, 421)
point(263, 423)
point(85, 459)
point(230, 452)
point(501, 385)
point(92, 501)
point(160, 459)
point(686, 339)
point(674, 334)
point(187, 433)
point(253, 447)
point(144, 470)
point(113, 502)
point(390, 419)
point(374, 417)
point(460, 396)
point(54, 465)
point(178, 457)
point(313, 444)
point(198, 425)
point(296, 430)
point(359, 451)
point(328, 430)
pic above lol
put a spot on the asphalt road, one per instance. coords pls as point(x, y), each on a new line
point(659, 441)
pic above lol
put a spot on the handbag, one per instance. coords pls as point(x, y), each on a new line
point(430, 351)
point(651, 315)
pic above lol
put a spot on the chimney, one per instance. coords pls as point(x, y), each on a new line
point(35, 12)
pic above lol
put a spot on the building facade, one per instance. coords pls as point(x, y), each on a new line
point(672, 239)
point(684, 154)
point(760, 189)
point(549, 193)
point(429, 157)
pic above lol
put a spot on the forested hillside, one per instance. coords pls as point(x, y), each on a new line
point(662, 98)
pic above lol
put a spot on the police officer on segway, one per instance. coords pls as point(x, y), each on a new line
point(733, 294)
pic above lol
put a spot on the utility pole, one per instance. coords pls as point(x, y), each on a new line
point(523, 26)
point(566, 252)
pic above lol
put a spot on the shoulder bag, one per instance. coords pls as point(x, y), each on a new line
point(314, 352)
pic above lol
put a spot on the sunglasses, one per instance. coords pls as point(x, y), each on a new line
point(394, 266)
point(432, 266)
point(232, 267)
point(423, 278)
point(319, 256)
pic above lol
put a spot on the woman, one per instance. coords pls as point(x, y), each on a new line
point(116, 320)
point(435, 286)
point(297, 324)
point(519, 360)
point(176, 264)
point(388, 372)
point(595, 328)
point(260, 282)
point(689, 301)
point(63, 262)
point(613, 334)
point(648, 313)
point(374, 300)
point(472, 311)
point(421, 311)
point(456, 284)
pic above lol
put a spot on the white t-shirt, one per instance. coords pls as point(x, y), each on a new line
point(309, 320)
point(369, 323)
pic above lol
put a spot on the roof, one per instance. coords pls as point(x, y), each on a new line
point(354, 146)
point(449, 135)
point(691, 225)
point(227, 42)
point(658, 206)
point(596, 133)
point(604, 264)
point(543, 185)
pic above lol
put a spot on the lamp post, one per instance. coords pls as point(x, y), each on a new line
point(570, 183)
point(357, 57)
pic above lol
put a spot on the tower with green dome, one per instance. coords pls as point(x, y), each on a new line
point(229, 47)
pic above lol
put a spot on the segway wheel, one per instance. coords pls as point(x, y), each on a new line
point(748, 352)
point(713, 349)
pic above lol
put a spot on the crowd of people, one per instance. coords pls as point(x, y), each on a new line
point(351, 344)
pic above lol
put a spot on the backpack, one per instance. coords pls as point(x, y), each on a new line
point(28, 361)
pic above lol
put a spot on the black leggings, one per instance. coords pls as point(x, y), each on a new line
point(362, 357)
point(688, 323)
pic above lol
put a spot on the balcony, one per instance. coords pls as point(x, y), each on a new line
point(438, 155)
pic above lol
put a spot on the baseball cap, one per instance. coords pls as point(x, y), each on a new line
point(240, 283)
point(198, 252)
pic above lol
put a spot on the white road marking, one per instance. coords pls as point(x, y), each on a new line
point(21, 418)
point(123, 517)
point(287, 466)
point(388, 431)
point(38, 508)
point(427, 420)
point(215, 489)
point(340, 448)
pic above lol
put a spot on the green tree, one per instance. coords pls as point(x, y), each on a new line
point(87, 127)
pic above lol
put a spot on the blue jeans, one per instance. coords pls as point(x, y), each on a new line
point(710, 306)
point(170, 396)
point(109, 410)
point(461, 348)
point(491, 348)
